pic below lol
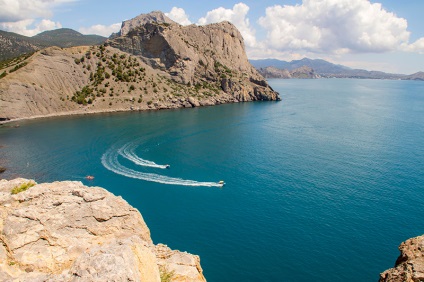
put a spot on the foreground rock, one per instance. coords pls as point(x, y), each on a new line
point(409, 265)
point(65, 231)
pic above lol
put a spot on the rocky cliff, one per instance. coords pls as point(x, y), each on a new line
point(409, 266)
point(211, 56)
point(65, 231)
point(152, 63)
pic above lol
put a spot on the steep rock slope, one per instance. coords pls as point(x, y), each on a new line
point(409, 266)
point(82, 80)
point(65, 231)
point(207, 56)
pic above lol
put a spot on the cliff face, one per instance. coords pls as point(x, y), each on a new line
point(211, 56)
point(409, 266)
point(65, 231)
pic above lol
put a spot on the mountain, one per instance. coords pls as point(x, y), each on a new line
point(155, 65)
point(319, 66)
point(415, 76)
point(302, 72)
point(211, 56)
point(13, 45)
point(66, 37)
point(325, 69)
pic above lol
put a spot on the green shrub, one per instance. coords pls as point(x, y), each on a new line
point(18, 67)
point(165, 274)
point(22, 187)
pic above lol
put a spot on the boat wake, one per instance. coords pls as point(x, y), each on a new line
point(110, 161)
point(128, 152)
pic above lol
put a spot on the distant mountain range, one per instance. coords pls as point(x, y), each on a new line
point(13, 44)
point(328, 70)
point(303, 72)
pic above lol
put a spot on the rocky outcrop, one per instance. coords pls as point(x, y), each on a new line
point(409, 266)
point(155, 16)
point(210, 56)
point(303, 72)
point(65, 231)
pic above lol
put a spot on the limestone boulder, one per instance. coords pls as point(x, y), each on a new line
point(65, 231)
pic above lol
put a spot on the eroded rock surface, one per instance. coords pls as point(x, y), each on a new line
point(409, 266)
point(208, 56)
point(65, 231)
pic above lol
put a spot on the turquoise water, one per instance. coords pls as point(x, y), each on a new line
point(322, 186)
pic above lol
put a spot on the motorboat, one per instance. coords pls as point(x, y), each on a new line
point(89, 177)
point(167, 166)
point(222, 183)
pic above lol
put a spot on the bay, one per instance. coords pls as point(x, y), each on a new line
point(321, 186)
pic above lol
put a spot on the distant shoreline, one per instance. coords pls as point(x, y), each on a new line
point(80, 113)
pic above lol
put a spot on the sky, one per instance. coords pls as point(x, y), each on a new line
point(385, 35)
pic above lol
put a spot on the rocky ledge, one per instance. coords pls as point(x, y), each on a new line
point(409, 266)
point(65, 231)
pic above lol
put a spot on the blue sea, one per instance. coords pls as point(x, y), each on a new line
point(322, 186)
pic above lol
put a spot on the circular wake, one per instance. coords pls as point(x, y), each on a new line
point(128, 152)
point(110, 162)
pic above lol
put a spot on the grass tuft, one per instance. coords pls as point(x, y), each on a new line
point(22, 187)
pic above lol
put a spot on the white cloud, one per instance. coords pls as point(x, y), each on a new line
point(178, 15)
point(337, 27)
point(18, 10)
point(237, 16)
point(28, 17)
point(30, 27)
point(417, 46)
point(104, 30)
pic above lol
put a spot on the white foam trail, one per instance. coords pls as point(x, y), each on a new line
point(128, 152)
point(110, 161)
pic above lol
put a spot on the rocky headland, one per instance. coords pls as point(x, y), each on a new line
point(65, 231)
point(409, 266)
point(152, 63)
